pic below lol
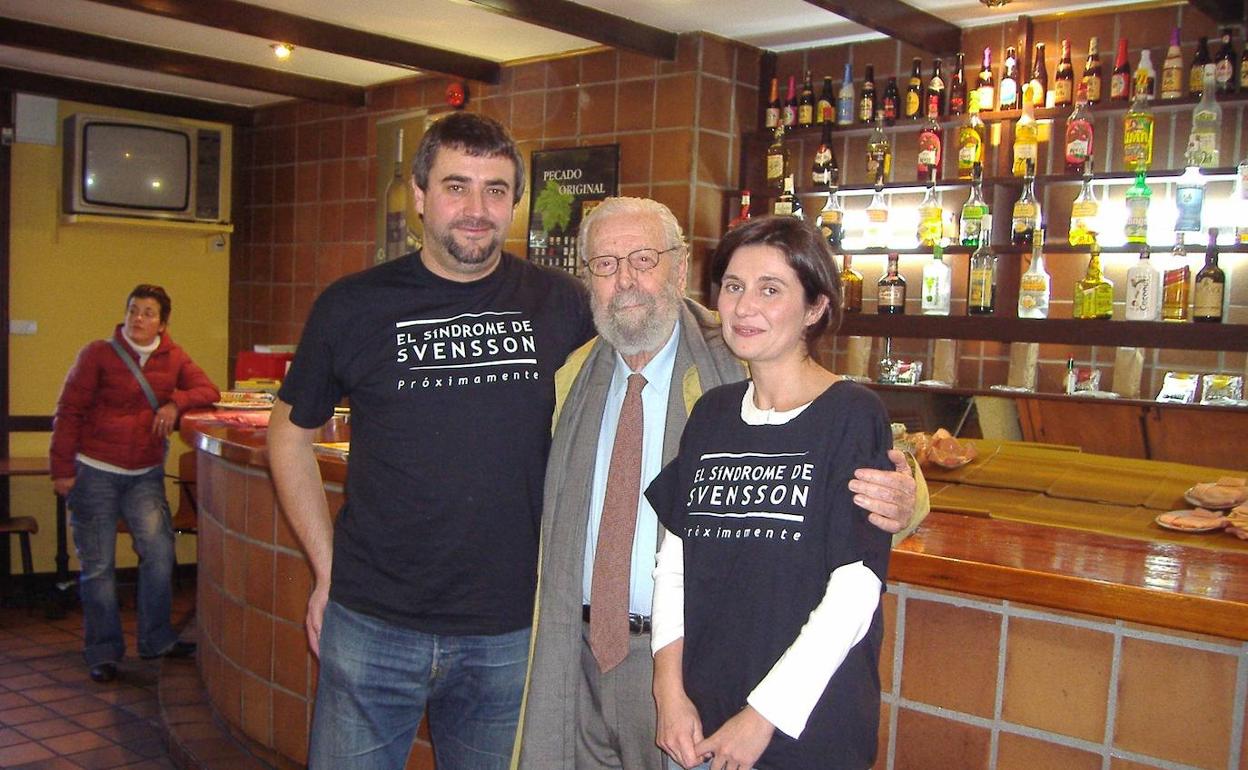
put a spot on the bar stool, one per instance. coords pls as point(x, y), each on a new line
point(23, 527)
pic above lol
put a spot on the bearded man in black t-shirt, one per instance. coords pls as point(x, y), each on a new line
point(424, 584)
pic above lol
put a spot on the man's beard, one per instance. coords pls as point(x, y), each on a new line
point(468, 254)
point(645, 329)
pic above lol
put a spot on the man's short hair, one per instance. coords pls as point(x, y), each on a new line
point(476, 135)
point(152, 291)
point(804, 249)
point(631, 207)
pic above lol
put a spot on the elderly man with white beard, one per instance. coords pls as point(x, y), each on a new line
point(621, 404)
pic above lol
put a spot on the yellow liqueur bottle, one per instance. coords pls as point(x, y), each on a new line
point(851, 287)
point(1094, 293)
point(778, 160)
point(1137, 134)
point(1026, 136)
point(1084, 212)
point(396, 206)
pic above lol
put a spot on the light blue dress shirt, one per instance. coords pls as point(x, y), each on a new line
point(658, 374)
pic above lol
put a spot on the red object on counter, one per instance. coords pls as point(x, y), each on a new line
point(268, 366)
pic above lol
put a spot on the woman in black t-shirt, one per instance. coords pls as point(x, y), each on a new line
point(767, 622)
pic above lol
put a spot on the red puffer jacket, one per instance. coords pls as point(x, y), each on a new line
point(103, 413)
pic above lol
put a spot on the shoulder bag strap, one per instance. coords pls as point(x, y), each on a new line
point(138, 373)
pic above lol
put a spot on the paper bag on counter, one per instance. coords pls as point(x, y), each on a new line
point(1128, 364)
point(945, 362)
point(858, 350)
point(1023, 358)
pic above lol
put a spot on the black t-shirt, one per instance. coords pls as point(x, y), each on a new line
point(766, 516)
point(451, 388)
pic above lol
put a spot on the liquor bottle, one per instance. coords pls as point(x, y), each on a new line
point(851, 286)
point(1120, 81)
point(1079, 135)
point(771, 117)
point(1202, 142)
point(937, 283)
point(788, 203)
point(1084, 212)
point(396, 205)
point(1225, 65)
point(866, 100)
point(986, 83)
point(806, 102)
point(1210, 288)
point(1239, 203)
point(1176, 283)
point(825, 108)
point(935, 100)
point(914, 91)
point(1039, 78)
point(891, 289)
point(1137, 135)
point(1196, 75)
point(1143, 289)
point(1034, 286)
point(876, 235)
point(743, 214)
point(1172, 69)
point(832, 220)
point(777, 159)
point(879, 150)
point(1145, 80)
point(1010, 81)
point(788, 115)
point(957, 86)
point(972, 138)
point(1026, 211)
point(1026, 138)
point(974, 212)
point(1064, 80)
point(1138, 197)
point(981, 286)
point(930, 155)
point(845, 98)
point(1094, 293)
point(931, 215)
point(1093, 72)
point(826, 171)
point(891, 103)
point(1189, 198)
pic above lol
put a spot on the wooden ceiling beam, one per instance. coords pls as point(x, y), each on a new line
point(79, 45)
point(125, 98)
point(278, 26)
point(1223, 11)
point(901, 21)
point(589, 23)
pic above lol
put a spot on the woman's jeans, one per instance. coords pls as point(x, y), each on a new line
point(96, 501)
point(377, 679)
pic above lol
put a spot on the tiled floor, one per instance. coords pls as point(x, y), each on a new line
point(52, 716)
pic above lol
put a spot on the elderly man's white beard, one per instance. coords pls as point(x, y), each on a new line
point(640, 330)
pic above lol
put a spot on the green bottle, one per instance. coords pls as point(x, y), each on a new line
point(1138, 196)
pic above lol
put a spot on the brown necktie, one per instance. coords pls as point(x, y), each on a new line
point(613, 555)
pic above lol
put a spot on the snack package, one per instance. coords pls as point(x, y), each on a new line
point(1128, 364)
point(858, 351)
point(1221, 388)
point(1179, 388)
point(1023, 359)
point(1081, 379)
point(908, 372)
point(945, 361)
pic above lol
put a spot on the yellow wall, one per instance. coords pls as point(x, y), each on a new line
point(72, 280)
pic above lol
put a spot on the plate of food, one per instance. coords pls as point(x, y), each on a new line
point(1223, 494)
point(244, 399)
point(1194, 521)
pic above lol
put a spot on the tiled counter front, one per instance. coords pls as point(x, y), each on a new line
point(973, 683)
point(253, 590)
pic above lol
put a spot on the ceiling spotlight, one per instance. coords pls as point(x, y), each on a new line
point(994, 3)
point(282, 50)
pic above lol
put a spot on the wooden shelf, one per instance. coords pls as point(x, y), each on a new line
point(1016, 394)
point(150, 224)
point(1151, 334)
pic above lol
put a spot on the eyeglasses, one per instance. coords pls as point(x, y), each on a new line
point(641, 260)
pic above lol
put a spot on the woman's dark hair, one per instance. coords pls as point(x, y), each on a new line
point(476, 135)
point(804, 249)
point(158, 293)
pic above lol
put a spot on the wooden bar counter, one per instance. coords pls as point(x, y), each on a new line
point(1007, 641)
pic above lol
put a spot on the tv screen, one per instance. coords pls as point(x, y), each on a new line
point(137, 167)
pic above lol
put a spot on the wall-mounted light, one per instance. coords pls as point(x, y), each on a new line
point(994, 3)
point(282, 50)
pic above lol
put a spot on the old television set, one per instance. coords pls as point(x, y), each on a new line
point(160, 169)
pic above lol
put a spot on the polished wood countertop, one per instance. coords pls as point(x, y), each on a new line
point(1172, 585)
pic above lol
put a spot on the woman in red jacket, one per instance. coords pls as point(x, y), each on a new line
point(120, 401)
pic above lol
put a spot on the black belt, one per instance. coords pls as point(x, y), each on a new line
point(637, 624)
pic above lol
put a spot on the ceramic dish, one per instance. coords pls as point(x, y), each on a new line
point(1213, 526)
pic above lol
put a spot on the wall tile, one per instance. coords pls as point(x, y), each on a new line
point(635, 152)
point(528, 77)
point(290, 726)
point(355, 179)
point(234, 553)
point(257, 719)
point(292, 587)
point(290, 656)
point(561, 114)
point(259, 590)
point(1017, 752)
point(634, 107)
point(562, 73)
point(714, 160)
point(924, 742)
point(947, 652)
point(719, 56)
point(675, 104)
point(596, 109)
point(635, 65)
point(1057, 678)
point(673, 156)
point(233, 619)
point(257, 643)
point(527, 115)
point(598, 67)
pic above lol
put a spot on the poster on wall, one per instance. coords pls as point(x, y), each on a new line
point(565, 185)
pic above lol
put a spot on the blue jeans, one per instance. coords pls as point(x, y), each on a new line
point(376, 679)
point(96, 501)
